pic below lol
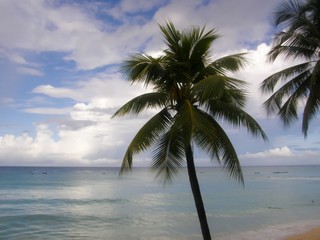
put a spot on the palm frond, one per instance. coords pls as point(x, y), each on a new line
point(220, 87)
point(287, 13)
point(200, 48)
point(146, 136)
point(293, 46)
point(311, 108)
point(297, 86)
point(230, 63)
point(142, 102)
point(315, 78)
point(143, 68)
point(313, 102)
point(299, 72)
point(212, 138)
point(299, 17)
point(172, 38)
point(235, 93)
point(184, 120)
point(211, 87)
point(288, 111)
point(235, 116)
point(300, 37)
point(168, 157)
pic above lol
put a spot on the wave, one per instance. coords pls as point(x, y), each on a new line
point(56, 226)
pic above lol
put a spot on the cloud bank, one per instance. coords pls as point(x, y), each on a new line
point(61, 79)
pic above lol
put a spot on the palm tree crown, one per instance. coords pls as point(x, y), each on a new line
point(299, 39)
point(193, 92)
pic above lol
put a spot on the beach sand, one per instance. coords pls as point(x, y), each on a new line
point(313, 234)
point(304, 230)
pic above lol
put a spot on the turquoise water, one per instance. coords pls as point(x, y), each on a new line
point(93, 203)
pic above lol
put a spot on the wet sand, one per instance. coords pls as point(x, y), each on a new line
point(313, 234)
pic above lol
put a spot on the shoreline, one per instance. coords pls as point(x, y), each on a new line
point(311, 234)
point(300, 230)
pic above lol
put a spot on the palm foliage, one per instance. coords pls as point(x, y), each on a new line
point(193, 94)
point(299, 39)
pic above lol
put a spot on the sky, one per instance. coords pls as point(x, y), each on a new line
point(60, 81)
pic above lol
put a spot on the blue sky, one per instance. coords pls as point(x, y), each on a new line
point(60, 81)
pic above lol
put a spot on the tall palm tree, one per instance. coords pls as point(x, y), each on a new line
point(192, 93)
point(299, 39)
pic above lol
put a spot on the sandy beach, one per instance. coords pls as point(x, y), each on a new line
point(313, 234)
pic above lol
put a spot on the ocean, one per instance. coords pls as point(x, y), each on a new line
point(94, 203)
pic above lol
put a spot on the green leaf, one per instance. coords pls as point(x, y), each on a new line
point(236, 116)
point(168, 157)
point(213, 139)
point(297, 72)
point(230, 63)
point(211, 87)
point(146, 136)
point(142, 102)
point(143, 68)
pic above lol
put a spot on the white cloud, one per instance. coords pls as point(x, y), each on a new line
point(23, 66)
point(48, 111)
point(101, 142)
point(36, 25)
point(124, 7)
point(30, 71)
point(56, 92)
point(237, 31)
point(276, 152)
point(16, 58)
point(107, 90)
point(281, 156)
point(40, 26)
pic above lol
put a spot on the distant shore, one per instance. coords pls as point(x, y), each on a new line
point(313, 234)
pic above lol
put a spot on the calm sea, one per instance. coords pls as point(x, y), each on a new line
point(93, 203)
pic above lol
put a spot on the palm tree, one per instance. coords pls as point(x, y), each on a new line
point(299, 39)
point(191, 93)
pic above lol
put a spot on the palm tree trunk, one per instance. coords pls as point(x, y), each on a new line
point(197, 194)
